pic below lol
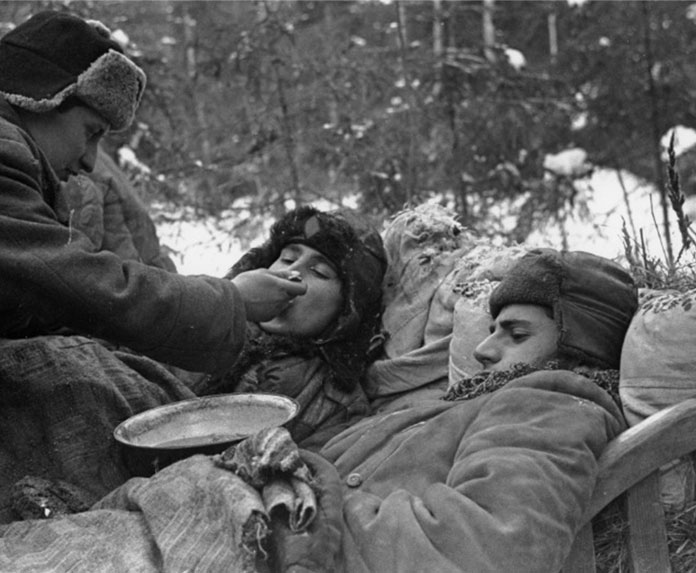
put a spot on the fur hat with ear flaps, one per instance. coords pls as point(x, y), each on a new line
point(355, 248)
point(55, 55)
point(593, 300)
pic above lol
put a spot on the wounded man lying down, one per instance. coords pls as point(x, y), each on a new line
point(494, 477)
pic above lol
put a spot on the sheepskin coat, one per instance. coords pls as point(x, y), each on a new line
point(496, 483)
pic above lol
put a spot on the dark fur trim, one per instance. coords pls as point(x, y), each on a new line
point(487, 382)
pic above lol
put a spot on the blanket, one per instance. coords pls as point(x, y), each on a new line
point(60, 399)
point(193, 516)
point(203, 514)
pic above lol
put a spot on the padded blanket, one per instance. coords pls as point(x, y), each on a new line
point(60, 399)
point(192, 516)
point(205, 514)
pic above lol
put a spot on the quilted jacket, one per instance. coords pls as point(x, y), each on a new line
point(51, 277)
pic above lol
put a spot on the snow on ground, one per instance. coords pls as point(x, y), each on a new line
point(200, 247)
point(209, 246)
point(212, 247)
point(613, 198)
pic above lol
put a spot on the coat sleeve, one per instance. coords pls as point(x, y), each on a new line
point(50, 275)
point(522, 473)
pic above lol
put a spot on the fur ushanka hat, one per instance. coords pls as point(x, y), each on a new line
point(55, 55)
point(355, 248)
point(593, 300)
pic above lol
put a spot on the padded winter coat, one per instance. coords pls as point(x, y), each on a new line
point(497, 483)
point(51, 277)
point(106, 207)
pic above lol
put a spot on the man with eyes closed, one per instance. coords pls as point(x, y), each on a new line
point(316, 349)
point(310, 314)
point(521, 333)
point(532, 328)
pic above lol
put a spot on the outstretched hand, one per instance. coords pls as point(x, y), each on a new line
point(267, 293)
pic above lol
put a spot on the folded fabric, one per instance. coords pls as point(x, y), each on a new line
point(195, 515)
point(295, 497)
point(422, 245)
point(270, 462)
point(418, 374)
point(191, 516)
point(657, 371)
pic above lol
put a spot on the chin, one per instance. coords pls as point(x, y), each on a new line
point(276, 326)
point(272, 327)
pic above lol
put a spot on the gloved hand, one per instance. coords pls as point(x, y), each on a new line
point(266, 293)
point(314, 550)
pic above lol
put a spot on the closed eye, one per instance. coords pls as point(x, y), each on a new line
point(519, 336)
point(322, 272)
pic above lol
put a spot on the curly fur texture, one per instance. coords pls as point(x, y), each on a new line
point(486, 382)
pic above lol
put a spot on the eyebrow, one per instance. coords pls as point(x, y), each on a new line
point(512, 322)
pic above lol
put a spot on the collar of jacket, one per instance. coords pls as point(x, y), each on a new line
point(51, 184)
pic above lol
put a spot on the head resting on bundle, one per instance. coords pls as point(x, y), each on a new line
point(569, 306)
point(346, 242)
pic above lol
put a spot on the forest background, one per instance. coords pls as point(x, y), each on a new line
point(521, 116)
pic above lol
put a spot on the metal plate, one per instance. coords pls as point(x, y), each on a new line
point(206, 421)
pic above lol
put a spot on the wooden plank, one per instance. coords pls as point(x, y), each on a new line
point(581, 558)
point(647, 543)
point(642, 449)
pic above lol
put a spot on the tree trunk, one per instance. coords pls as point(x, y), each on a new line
point(656, 135)
point(288, 133)
point(206, 186)
point(553, 37)
point(438, 49)
point(411, 182)
point(489, 30)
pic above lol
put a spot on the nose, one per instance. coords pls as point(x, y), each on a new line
point(89, 158)
point(486, 352)
point(300, 266)
point(294, 275)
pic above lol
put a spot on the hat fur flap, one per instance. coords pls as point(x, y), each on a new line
point(100, 27)
point(113, 86)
